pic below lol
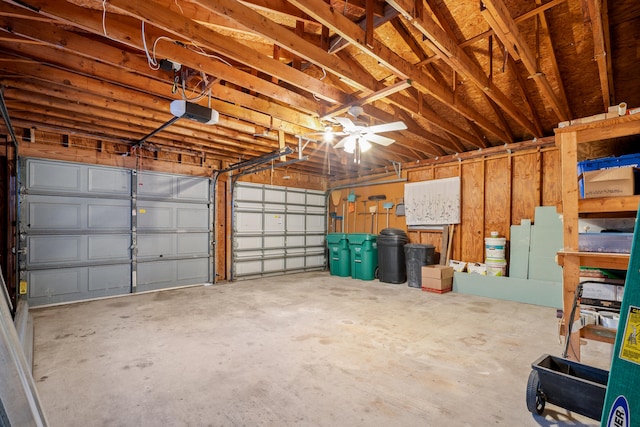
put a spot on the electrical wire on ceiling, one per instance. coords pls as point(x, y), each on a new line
point(324, 75)
point(104, 17)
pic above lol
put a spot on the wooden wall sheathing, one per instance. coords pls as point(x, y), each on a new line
point(471, 248)
point(525, 181)
point(497, 190)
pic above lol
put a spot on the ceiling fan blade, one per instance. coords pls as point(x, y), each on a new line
point(345, 122)
point(378, 139)
point(386, 127)
point(343, 141)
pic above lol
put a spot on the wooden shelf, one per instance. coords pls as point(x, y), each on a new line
point(598, 333)
point(613, 261)
point(627, 204)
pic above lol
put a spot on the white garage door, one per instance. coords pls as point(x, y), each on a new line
point(90, 231)
point(277, 230)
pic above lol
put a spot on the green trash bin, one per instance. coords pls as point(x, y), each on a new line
point(339, 258)
point(364, 255)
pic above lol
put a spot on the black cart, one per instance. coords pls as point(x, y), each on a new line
point(566, 383)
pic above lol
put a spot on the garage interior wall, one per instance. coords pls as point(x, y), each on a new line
point(497, 190)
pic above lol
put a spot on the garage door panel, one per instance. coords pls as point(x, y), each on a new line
point(316, 223)
point(155, 185)
point(296, 197)
point(273, 223)
point(192, 218)
point(192, 244)
point(316, 240)
point(109, 247)
point(54, 177)
point(155, 216)
point(155, 245)
point(109, 181)
point(273, 242)
point(44, 250)
point(57, 283)
point(316, 199)
point(54, 213)
point(296, 223)
point(192, 189)
point(274, 196)
point(163, 274)
point(50, 214)
point(248, 191)
point(247, 268)
point(192, 271)
point(248, 222)
point(111, 215)
point(296, 241)
point(110, 278)
point(268, 219)
point(83, 222)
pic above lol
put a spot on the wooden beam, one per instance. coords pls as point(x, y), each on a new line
point(91, 20)
point(505, 28)
point(449, 51)
point(382, 93)
point(552, 56)
point(401, 68)
point(268, 29)
point(600, 54)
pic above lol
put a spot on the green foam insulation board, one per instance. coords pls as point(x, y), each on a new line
point(546, 241)
point(544, 293)
point(519, 249)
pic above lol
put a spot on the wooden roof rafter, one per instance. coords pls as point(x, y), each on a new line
point(497, 15)
point(597, 12)
point(350, 31)
point(453, 55)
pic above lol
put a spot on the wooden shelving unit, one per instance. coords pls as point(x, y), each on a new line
point(570, 258)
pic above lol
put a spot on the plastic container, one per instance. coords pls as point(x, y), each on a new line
point(391, 260)
point(609, 320)
point(417, 255)
point(605, 242)
point(364, 255)
point(495, 248)
point(496, 267)
point(339, 254)
point(606, 163)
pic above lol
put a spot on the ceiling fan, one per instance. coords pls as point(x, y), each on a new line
point(360, 135)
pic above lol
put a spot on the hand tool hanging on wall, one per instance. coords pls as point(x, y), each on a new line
point(364, 212)
point(372, 210)
point(387, 206)
point(376, 199)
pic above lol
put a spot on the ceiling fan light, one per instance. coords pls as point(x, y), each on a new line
point(350, 145)
point(328, 135)
point(364, 145)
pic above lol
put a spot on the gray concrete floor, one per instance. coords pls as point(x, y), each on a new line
point(305, 349)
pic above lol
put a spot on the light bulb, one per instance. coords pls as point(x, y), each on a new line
point(350, 145)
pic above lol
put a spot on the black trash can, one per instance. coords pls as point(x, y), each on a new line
point(391, 262)
point(416, 256)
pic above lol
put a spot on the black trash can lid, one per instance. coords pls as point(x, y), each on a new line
point(418, 246)
point(393, 232)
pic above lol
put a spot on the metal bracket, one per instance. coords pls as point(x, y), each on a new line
point(397, 166)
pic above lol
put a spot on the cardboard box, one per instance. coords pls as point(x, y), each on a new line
point(437, 278)
point(609, 182)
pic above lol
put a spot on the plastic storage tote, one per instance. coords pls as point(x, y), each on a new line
point(364, 255)
point(391, 261)
point(416, 256)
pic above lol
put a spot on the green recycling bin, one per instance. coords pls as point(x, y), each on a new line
point(364, 255)
point(339, 258)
